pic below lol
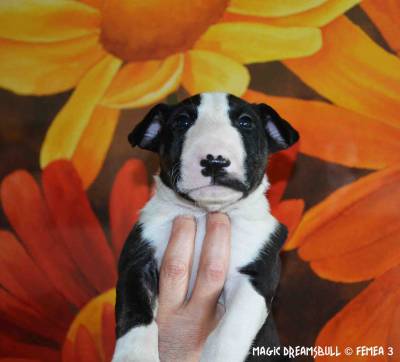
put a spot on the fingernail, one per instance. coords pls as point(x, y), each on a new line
point(184, 218)
point(183, 221)
point(218, 218)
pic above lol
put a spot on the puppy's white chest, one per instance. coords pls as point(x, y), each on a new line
point(251, 227)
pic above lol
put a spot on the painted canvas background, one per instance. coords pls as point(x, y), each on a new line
point(76, 77)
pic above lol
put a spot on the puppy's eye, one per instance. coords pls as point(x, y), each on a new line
point(246, 122)
point(182, 122)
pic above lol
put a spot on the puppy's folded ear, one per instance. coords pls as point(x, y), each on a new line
point(146, 134)
point(280, 134)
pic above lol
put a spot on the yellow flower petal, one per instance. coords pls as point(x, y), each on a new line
point(253, 42)
point(318, 16)
point(143, 83)
point(40, 69)
point(336, 134)
point(90, 316)
point(46, 20)
point(63, 136)
point(353, 72)
point(272, 7)
point(212, 72)
point(385, 14)
point(94, 143)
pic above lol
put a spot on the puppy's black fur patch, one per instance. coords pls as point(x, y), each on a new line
point(264, 273)
point(253, 138)
point(137, 286)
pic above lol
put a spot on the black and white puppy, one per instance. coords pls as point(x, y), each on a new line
point(213, 151)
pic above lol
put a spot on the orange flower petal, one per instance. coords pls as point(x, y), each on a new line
point(385, 15)
point(335, 237)
point(27, 319)
point(315, 17)
point(19, 360)
point(289, 213)
point(78, 225)
point(20, 195)
point(22, 278)
point(11, 347)
point(254, 42)
point(85, 348)
point(394, 334)
point(207, 71)
point(279, 169)
point(129, 194)
point(366, 320)
point(272, 8)
point(357, 73)
point(68, 351)
point(319, 16)
point(65, 133)
point(108, 331)
point(335, 134)
point(46, 21)
point(40, 69)
point(97, 136)
point(143, 83)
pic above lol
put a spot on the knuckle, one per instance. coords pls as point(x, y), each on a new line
point(174, 269)
point(215, 272)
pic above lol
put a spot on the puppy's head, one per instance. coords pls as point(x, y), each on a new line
point(213, 147)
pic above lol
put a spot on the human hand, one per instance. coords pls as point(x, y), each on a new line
point(184, 325)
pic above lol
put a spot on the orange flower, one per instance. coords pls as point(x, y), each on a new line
point(121, 54)
point(352, 236)
point(59, 260)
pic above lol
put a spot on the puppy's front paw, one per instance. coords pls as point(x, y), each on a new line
point(140, 344)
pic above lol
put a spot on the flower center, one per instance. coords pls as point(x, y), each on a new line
point(137, 30)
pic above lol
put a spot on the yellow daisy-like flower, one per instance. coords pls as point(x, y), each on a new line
point(128, 53)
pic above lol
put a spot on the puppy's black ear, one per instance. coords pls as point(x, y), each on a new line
point(280, 134)
point(146, 134)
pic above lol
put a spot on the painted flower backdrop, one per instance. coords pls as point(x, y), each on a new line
point(331, 67)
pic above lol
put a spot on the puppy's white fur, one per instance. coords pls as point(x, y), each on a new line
point(251, 225)
point(140, 344)
point(212, 134)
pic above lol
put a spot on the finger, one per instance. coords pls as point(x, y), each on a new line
point(176, 264)
point(214, 262)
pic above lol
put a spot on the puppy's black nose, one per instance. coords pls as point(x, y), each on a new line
point(214, 166)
